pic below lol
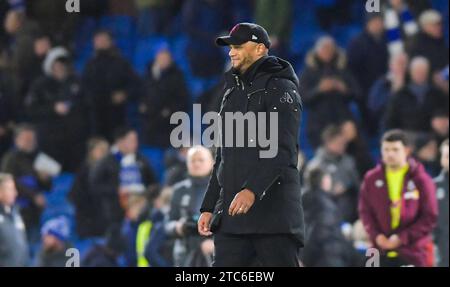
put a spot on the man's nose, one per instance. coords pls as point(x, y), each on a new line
point(232, 53)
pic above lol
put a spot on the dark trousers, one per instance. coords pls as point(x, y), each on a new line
point(256, 250)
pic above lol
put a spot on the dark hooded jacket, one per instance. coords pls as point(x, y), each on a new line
point(269, 85)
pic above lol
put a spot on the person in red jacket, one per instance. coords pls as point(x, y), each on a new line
point(398, 205)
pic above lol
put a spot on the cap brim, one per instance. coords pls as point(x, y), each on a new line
point(228, 40)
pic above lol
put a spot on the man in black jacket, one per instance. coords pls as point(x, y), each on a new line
point(165, 93)
point(56, 104)
point(31, 183)
point(121, 174)
point(262, 218)
point(441, 235)
point(109, 83)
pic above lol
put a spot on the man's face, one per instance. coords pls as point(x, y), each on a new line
point(243, 56)
point(440, 125)
point(376, 26)
point(396, 4)
point(26, 141)
point(12, 22)
point(444, 158)
point(60, 71)
point(42, 46)
point(337, 145)
point(434, 30)
point(399, 64)
point(163, 59)
point(8, 192)
point(419, 73)
point(200, 163)
point(99, 151)
point(394, 154)
point(129, 144)
point(102, 41)
point(326, 51)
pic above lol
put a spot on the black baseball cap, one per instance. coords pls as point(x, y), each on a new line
point(243, 33)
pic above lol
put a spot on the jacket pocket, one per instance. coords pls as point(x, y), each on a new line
point(254, 101)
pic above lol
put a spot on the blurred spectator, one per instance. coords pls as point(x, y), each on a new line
point(357, 147)
point(110, 83)
point(413, 106)
point(4, 7)
point(107, 254)
point(31, 184)
point(154, 16)
point(88, 216)
point(426, 151)
point(41, 46)
point(331, 158)
point(400, 20)
point(13, 242)
point(442, 236)
point(121, 7)
point(6, 116)
point(430, 42)
point(165, 93)
point(361, 240)
point(441, 80)
point(120, 174)
point(94, 8)
point(368, 59)
point(56, 105)
point(135, 230)
point(386, 87)
point(400, 24)
point(440, 126)
point(23, 32)
point(325, 245)
point(191, 250)
point(52, 19)
point(398, 205)
point(175, 163)
point(331, 12)
point(276, 16)
point(203, 20)
point(55, 241)
point(328, 88)
point(159, 249)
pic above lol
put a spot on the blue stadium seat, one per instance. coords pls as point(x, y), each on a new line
point(121, 26)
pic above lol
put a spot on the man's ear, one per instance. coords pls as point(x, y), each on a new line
point(261, 50)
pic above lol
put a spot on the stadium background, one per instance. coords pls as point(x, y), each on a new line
point(122, 21)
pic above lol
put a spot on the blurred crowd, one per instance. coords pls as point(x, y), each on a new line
point(90, 117)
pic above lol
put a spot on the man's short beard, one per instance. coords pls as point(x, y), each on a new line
point(246, 62)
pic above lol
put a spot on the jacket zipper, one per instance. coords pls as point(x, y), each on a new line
point(269, 186)
point(225, 99)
